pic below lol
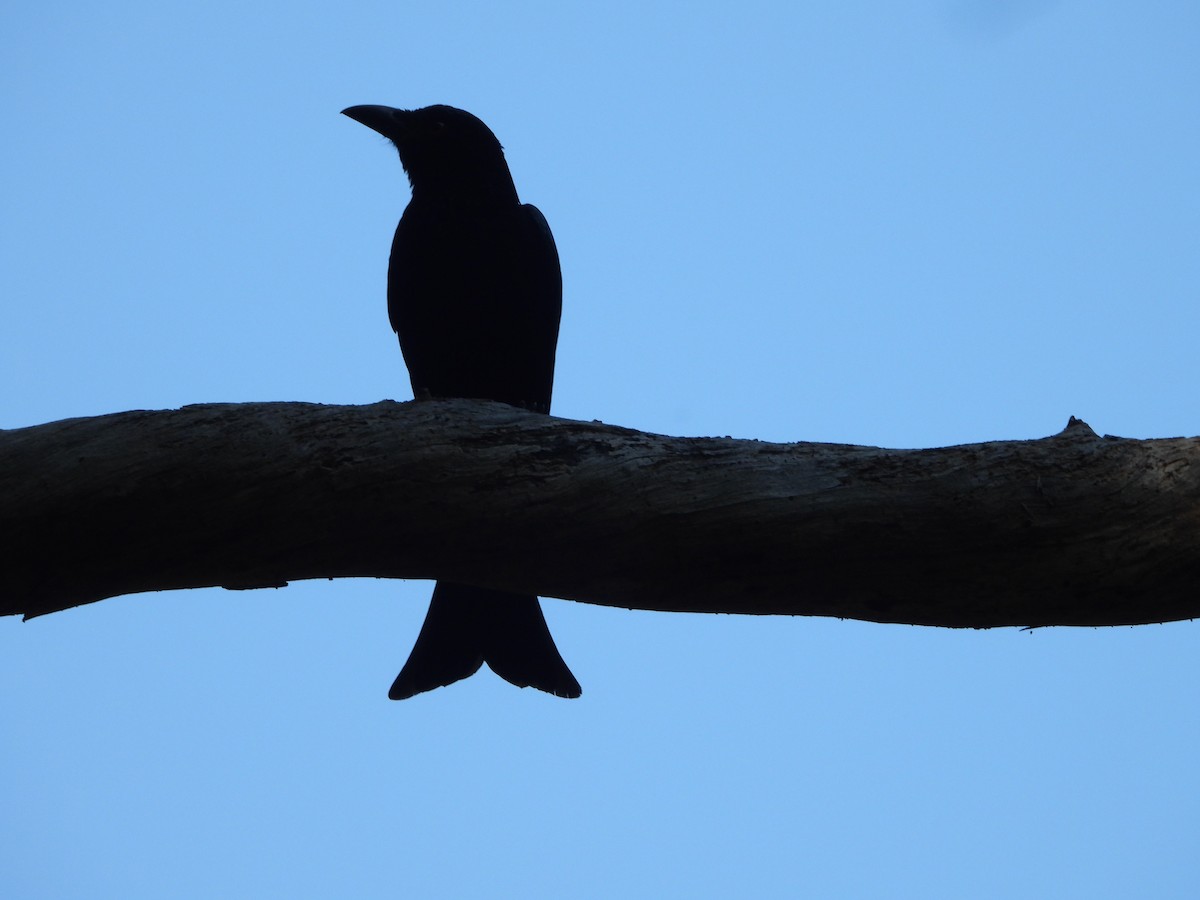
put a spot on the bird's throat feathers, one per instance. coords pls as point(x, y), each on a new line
point(478, 185)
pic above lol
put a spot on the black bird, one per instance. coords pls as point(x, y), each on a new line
point(475, 295)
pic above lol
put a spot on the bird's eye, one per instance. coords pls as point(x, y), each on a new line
point(439, 126)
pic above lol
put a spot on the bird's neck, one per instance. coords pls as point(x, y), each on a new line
point(477, 188)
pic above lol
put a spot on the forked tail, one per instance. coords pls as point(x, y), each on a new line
point(468, 626)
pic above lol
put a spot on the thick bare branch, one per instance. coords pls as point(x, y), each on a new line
point(1072, 529)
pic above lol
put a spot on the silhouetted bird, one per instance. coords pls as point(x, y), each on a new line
point(475, 294)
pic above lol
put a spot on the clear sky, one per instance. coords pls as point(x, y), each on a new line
point(895, 224)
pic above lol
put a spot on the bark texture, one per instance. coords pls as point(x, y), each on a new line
point(1073, 529)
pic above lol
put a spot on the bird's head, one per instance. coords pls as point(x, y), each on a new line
point(441, 148)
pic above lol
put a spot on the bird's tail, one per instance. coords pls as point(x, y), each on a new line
point(468, 626)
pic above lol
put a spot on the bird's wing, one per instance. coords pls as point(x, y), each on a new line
point(545, 292)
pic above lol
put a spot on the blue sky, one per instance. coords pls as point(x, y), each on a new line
point(903, 225)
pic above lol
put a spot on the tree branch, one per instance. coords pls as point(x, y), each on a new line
point(1073, 529)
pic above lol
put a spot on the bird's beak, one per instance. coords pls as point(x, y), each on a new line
point(387, 121)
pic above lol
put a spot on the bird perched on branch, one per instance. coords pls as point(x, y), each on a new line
point(475, 295)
